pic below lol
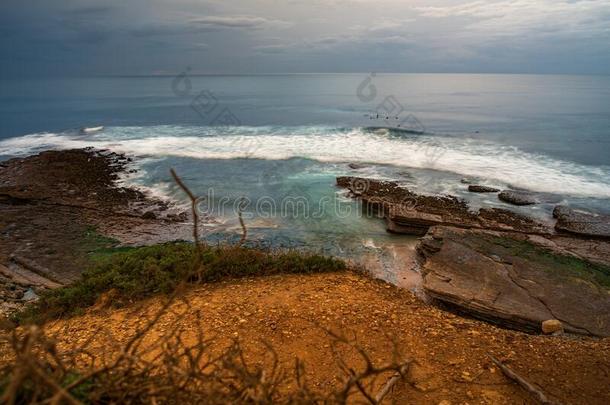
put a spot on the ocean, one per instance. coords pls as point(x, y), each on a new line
point(273, 144)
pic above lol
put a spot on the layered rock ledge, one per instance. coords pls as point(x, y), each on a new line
point(410, 213)
point(499, 265)
point(582, 222)
point(516, 280)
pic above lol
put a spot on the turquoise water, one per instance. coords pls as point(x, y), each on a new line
point(285, 138)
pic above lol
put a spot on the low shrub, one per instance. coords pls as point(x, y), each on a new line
point(140, 272)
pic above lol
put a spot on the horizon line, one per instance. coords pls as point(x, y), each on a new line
point(166, 75)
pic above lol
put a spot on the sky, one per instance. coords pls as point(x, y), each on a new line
point(144, 37)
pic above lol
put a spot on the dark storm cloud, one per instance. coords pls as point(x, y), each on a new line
point(80, 37)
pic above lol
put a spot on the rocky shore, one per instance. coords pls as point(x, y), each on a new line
point(501, 266)
point(59, 206)
point(56, 208)
point(409, 213)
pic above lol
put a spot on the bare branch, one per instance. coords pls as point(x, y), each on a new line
point(522, 382)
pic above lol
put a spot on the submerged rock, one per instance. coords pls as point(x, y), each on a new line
point(507, 279)
point(518, 197)
point(405, 174)
point(473, 188)
point(581, 222)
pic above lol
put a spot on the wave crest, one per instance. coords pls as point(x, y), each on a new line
point(467, 157)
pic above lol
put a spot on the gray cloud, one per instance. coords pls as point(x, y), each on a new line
point(90, 10)
point(70, 37)
point(243, 21)
point(271, 48)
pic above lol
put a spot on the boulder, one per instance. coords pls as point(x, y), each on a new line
point(518, 197)
point(506, 278)
point(581, 222)
point(474, 188)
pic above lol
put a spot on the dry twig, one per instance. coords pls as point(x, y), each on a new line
point(161, 363)
point(523, 383)
point(193, 200)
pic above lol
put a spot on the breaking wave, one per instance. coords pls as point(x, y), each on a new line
point(466, 157)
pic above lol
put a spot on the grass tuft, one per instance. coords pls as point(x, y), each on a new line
point(567, 266)
point(140, 272)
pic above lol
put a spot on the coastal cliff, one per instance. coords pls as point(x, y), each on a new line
point(490, 272)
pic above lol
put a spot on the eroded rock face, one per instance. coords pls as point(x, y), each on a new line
point(410, 213)
point(581, 222)
point(512, 280)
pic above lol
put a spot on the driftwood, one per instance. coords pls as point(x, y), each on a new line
point(523, 383)
point(391, 382)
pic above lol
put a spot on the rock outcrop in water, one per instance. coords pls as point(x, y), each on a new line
point(410, 213)
point(518, 197)
point(473, 188)
point(581, 222)
point(515, 280)
point(499, 265)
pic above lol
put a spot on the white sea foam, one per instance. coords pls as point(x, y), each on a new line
point(466, 157)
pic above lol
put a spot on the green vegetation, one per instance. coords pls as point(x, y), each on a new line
point(567, 266)
point(92, 241)
point(140, 272)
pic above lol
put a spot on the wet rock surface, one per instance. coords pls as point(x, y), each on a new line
point(58, 207)
point(473, 188)
point(581, 222)
point(410, 213)
point(498, 265)
point(517, 281)
point(518, 197)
